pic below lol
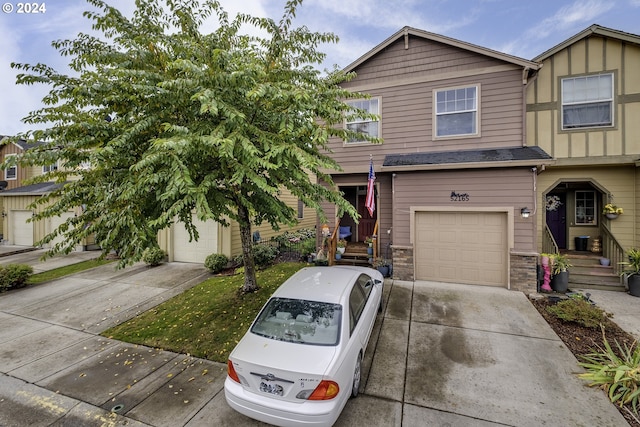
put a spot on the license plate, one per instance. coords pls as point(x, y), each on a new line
point(272, 388)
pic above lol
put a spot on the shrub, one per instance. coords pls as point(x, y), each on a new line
point(617, 374)
point(264, 255)
point(154, 256)
point(216, 262)
point(14, 276)
point(580, 311)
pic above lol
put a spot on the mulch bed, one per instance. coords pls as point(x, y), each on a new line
point(582, 340)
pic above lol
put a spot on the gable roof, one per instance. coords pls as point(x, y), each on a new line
point(588, 32)
point(505, 157)
point(405, 32)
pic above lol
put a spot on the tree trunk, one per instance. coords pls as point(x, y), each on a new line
point(250, 282)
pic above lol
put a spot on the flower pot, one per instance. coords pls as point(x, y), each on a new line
point(605, 262)
point(611, 215)
point(370, 251)
point(338, 255)
point(340, 250)
point(560, 282)
point(634, 285)
point(384, 270)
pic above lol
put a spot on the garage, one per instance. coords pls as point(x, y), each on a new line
point(56, 221)
point(461, 247)
point(21, 229)
point(195, 251)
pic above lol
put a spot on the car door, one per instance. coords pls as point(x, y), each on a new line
point(363, 309)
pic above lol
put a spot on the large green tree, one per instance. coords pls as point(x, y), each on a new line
point(162, 117)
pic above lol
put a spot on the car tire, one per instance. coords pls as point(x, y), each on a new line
point(357, 375)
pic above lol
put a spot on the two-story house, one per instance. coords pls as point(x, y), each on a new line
point(583, 109)
point(455, 178)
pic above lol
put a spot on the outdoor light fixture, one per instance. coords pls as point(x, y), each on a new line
point(525, 212)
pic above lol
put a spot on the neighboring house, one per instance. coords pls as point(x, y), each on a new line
point(454, 172)
point(11, 179)
point(584, 110)
point(213, 237)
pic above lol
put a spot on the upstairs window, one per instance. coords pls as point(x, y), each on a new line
point(587, 101)
point(11, 173)
point(456, 112)
point(49, 168)
point(366, 126)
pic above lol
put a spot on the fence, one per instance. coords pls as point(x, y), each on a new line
point(290, 248)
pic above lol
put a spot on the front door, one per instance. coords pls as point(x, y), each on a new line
point(367, 222)
point(556, 209)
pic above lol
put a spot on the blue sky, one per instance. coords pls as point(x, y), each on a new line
point(517, 27)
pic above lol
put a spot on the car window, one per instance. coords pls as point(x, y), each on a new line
point(299, 321)
point(366, 283)
point(357, 301)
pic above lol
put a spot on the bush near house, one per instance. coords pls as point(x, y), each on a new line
point(216, 262)
point(13, 276)
point(154, 256)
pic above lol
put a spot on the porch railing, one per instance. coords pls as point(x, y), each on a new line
point(549, 245)
point(375, 241)
point(333, 243)
point(612, 249)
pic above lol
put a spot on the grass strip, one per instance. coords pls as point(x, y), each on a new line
point(59, 272)
point(206, 321)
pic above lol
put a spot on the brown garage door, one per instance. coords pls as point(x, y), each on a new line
point(461, 247)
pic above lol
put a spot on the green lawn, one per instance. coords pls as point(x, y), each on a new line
point(56, 273)
point(206, 321)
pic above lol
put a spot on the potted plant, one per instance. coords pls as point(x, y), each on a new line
point(611, 211)
point(560, 281)
point(369, 242)
point(633, 271)
point(341, 246)
point(382, 265)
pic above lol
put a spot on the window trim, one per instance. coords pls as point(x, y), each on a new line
point(52, 167)
point(379, 121)
point(611, 100)
point(14, 167)
point(595, 209)
point(435, 114)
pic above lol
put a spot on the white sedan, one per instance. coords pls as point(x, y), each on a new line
point(301, 359)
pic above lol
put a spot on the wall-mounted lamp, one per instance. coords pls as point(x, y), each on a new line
point(4, 214)
point(525, 212)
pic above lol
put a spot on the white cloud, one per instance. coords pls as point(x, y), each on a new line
point(579, 13)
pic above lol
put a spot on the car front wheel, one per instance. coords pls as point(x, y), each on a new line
point(356, 377)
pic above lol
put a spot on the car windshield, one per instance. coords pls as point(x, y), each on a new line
point(300, 321)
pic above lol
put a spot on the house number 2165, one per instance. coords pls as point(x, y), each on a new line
point(459, 197)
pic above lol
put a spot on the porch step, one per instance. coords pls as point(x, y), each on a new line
point(355, 254)
point(587, 273)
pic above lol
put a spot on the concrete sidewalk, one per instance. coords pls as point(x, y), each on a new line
point(32, 257)
point(442, 354)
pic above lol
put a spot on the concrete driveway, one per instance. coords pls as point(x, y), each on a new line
point(441, 354)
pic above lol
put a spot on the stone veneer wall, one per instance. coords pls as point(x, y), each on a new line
point(402, 262)
point(524, 273)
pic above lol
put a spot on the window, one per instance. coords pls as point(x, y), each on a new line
point(50, 168)
point(357, 301)
point(586, 207)
point(587, 101)
point(456, 112)
point(11, 172)
point(366, 126)
point(300, 209)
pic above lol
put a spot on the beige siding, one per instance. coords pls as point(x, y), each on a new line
point(509, 189)
point(20, 203)
point(591, 55)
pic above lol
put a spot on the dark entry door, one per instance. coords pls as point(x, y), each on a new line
point(367, 222)
point(557, 218)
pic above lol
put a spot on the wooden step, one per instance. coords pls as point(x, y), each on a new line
point(587, 273)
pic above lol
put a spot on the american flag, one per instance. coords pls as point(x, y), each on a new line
point(370, 203)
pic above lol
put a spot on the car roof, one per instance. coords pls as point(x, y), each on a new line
point(323, 284)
